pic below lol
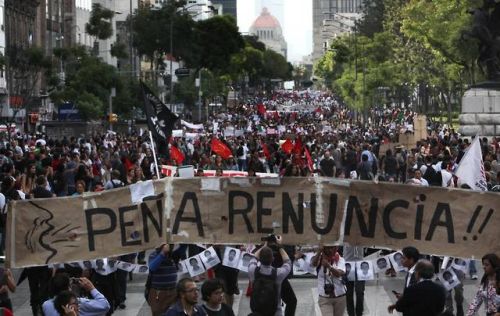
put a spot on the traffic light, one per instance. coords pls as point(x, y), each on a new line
point(113, 118)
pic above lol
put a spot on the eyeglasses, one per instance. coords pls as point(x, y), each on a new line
point(194, 289)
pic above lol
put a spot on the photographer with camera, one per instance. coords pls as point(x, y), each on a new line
point(287, 292)
point(331, 288)
point(97, 306)
point(267, 280)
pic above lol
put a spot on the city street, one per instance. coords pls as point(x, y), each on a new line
point(378, 296)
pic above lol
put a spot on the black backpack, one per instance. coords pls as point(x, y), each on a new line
point(264, 299)
point(239, 151)
point(432, 176)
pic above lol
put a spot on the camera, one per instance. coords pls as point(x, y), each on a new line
point(329, 289)
point(74, 281)
point(270, 238)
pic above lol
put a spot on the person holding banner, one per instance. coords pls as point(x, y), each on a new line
point(163, 274)
point(487, 291)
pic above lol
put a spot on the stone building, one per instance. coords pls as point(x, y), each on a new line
point(268, 29)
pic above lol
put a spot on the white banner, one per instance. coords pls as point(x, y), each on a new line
point(191, 125)
point(470, 171)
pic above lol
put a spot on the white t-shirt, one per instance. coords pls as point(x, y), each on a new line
point(338, 284)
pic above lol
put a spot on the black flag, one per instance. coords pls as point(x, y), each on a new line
point(160, 119)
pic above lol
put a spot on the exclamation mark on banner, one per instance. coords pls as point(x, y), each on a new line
point(474, 219)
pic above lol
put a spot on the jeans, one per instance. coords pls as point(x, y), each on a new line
point(472, 267)
point(357, 287)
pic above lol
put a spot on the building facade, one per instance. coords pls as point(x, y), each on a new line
point(228, 7)
point(330, 19)
point(268, 29)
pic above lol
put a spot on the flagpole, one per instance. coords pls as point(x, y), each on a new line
point(154, 154)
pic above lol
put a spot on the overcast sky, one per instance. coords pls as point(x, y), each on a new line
point(295, 19)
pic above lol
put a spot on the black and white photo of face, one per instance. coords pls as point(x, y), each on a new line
point(397, 258)
point(208, 255)
point(87, 264)
point(246, 259)
point(382, 263)
point(347, 268)
point(194, 264)
point(365, 267)
point(99, 263)
point(143, 269)
point(448, 277)
point(231, 255)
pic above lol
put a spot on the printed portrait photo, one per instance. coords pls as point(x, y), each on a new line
point(350, 270)
point(460, 264)
point(448, 279)
point(231, 257)
point(194, 266)
point(364, 270)
point(209, 258)
point(396, 258)
point(245, 261)
point(382, 264)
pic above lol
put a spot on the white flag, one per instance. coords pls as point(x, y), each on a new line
point(471, 169)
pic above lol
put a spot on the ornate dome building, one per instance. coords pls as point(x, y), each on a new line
point(268, 29)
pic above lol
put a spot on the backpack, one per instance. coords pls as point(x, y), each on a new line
point(432, 176)
point(264, 299)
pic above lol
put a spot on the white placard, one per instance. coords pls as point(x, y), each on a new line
point(231, 257)
point(140, 190)
point(194, 266)
point(460, 264)
point(186, 171)
point(449, 279)
point(350, 270)
point(381, 264)
point(141, 269)
point(396, 261)
point(209, 258)
point(364, 270)
point(245, 259)
point(300, 267)
point(127, 266)
point(210, 184)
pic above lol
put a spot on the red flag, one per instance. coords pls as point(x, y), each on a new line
point(287, 146)
point(261, 109)
point(297, 148)
point(265, 149)
point(176, 154)
point(310, 163)
point(318, 110)
point(220, 148)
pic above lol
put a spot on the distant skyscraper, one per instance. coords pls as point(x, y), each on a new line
point(228, 6)
point(332, 17)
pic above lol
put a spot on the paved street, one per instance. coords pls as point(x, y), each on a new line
point(377, 296)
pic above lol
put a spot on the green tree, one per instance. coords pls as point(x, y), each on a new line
point(25, 69)
point(99, 24)
point(218, 39)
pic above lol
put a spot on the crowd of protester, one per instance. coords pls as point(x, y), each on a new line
point(328, 140)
